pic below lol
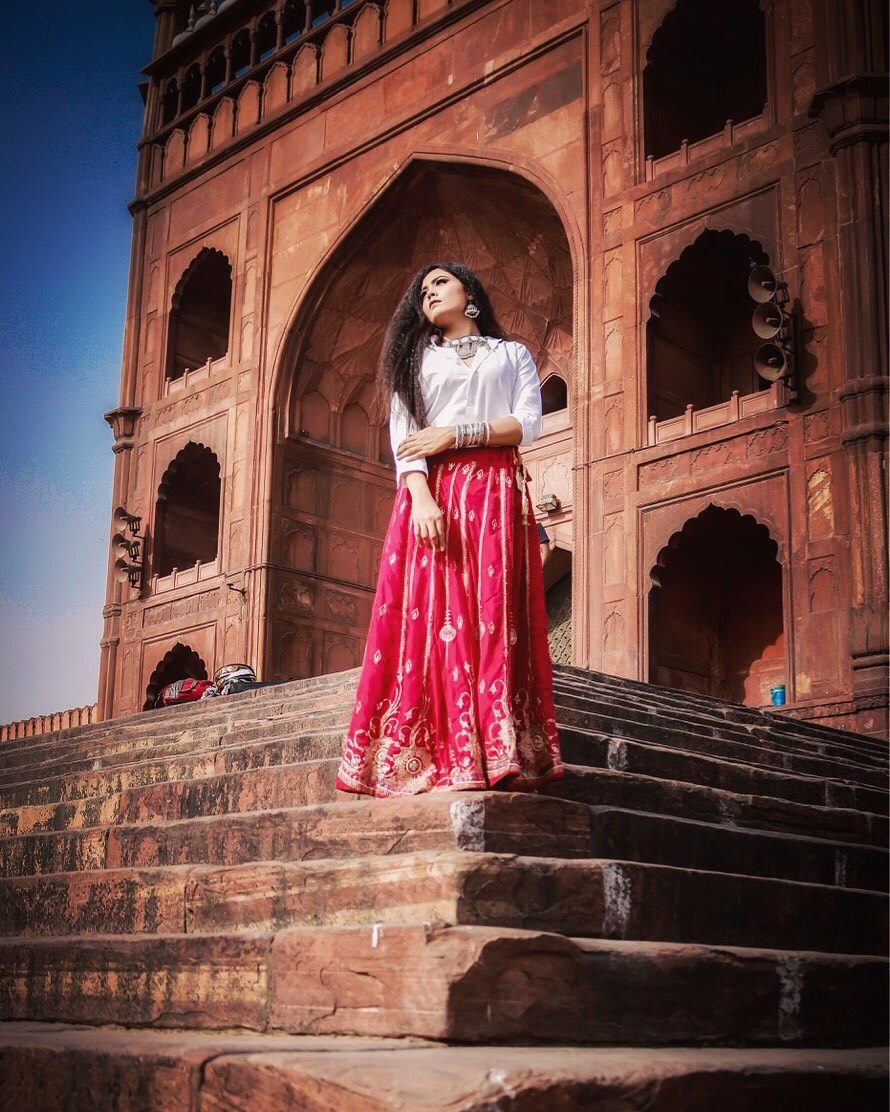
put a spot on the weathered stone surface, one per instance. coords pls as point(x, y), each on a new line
point(602, 899)
point(603, 787)
point(53, 853)
point(151, 1071)
point(545, 1079)
point(236, 752)
point(100, 901)
point(643, 836)
point(488, 985)
point(172, 981)
point(466, 984)
point(729, 769)
point(56, 1066)
point(496, 822)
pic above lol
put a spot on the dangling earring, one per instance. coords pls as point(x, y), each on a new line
point(471, 311)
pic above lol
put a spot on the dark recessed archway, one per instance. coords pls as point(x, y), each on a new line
point(716, 618)
point(706, 65)
point(554, 394)
point(180, 663)
point(200, 313)
point(334, 455)
point(187, 511)
point(700, 342)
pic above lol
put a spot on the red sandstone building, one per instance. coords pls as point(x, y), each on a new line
point(613, 170)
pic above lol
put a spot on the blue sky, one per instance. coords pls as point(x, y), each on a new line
point(70, 116)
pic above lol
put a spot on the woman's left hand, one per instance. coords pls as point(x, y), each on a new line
point(425, 442)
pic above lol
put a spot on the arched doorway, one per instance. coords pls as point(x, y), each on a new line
point(716, 620)
point(333, 461)
point(180, 663)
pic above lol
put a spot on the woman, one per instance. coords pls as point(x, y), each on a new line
point(456, 688)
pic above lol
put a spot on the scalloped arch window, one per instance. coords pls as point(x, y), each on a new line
point(200, 314)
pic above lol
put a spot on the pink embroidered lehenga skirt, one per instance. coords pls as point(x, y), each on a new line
point(456, 687)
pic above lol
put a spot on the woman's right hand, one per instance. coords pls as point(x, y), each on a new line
point(429, 522)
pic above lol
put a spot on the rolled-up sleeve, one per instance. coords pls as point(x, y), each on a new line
point(400, 426)
point(526, 403)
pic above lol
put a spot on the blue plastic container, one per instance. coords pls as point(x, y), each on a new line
point(777, 694)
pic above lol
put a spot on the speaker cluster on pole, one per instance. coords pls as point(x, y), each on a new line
point(774, 324)
point(128, 565)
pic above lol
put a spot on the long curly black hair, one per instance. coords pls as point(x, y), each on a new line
point(409, 332)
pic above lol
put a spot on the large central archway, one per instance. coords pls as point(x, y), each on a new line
point(333, 456)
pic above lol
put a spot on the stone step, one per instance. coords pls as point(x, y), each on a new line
point(254, 789)
point(583, 898)
point(716, 770)
point(622, 719)
point(126, 751)
point(260, 702)
point(193, 1071)
point(629, 791)
point(726, 719)
point(464, 984)
point(499, 822)
point(312, 781)
point(496, 822)
point(765, 754)
point(661, 839)
point(338, 690)
point(76, 800)
point(753, 717)
point(236, 755)
point(183, 750)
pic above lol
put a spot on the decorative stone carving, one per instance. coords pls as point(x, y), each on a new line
point(343, 608)
point(613, 485)
point(822, 584)
point(295, 597)
point(180, 608)
point(766, 441)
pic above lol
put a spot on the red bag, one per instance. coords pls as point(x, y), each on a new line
point(182, 691)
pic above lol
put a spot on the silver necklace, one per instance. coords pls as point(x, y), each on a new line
point(467, 346)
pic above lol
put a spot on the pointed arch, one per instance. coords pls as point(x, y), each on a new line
point(699, 338)
point(332, 422)
point(180, 663)
point(554, 394)
point(716, 608)
point(706, 64)
point(187, 511)
point(200, 313)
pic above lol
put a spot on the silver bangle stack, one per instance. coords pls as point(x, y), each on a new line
point(472, 434)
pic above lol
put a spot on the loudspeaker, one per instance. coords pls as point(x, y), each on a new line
point(762, 284)
point(123, 519)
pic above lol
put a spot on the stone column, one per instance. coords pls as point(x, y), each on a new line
point(123, 425)
point(852, 103)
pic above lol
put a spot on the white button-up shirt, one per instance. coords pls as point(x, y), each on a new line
point(502, 381)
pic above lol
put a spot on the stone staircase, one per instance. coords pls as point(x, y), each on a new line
point(694, 918)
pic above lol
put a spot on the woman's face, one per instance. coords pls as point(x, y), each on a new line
point(443, 298)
